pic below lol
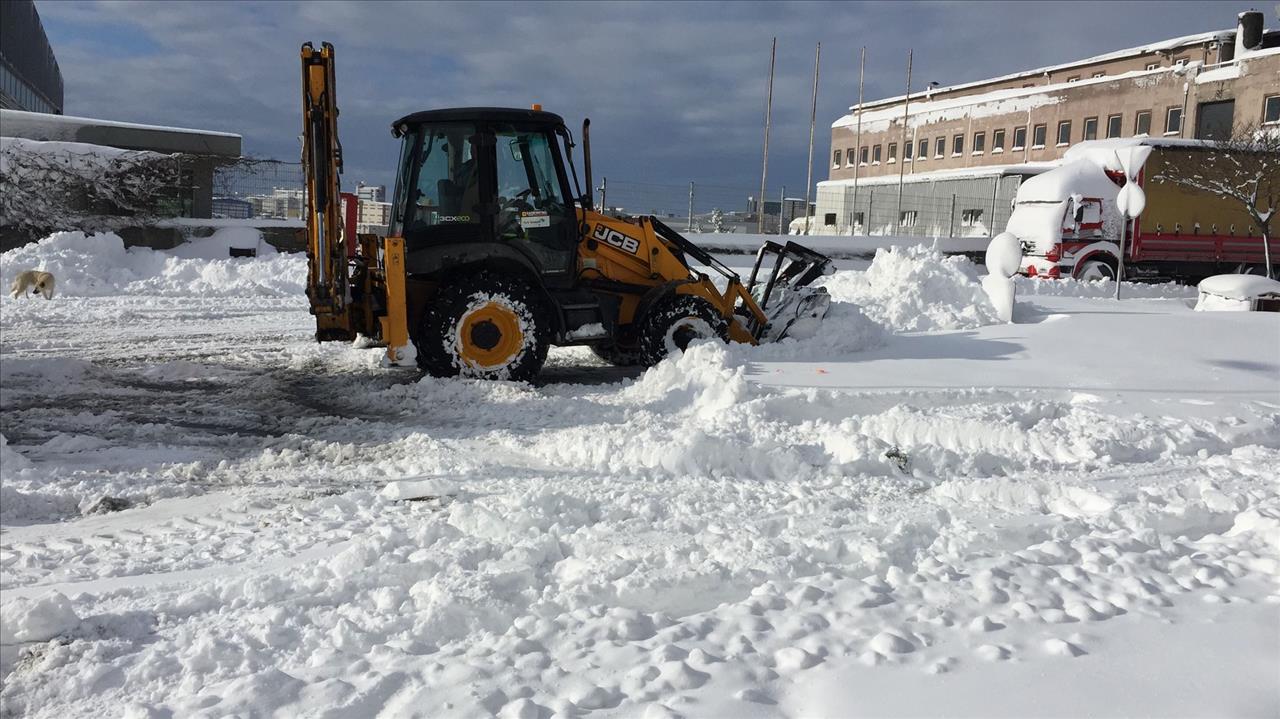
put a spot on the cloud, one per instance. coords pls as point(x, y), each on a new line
point(675, 90)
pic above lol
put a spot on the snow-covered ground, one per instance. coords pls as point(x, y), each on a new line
point(920, 512)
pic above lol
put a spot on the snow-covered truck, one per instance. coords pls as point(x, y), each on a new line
point(1069, 226)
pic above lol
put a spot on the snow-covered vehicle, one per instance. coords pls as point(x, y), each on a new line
point(1069, 225)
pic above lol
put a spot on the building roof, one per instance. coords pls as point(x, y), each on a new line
point(1161, 46)
point(123, 135)
point(999, 102)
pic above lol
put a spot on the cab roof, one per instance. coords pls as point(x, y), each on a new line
point(472, 114)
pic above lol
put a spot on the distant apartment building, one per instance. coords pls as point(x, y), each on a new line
point(29, 76)
point(1198, 86)
point(371, 193)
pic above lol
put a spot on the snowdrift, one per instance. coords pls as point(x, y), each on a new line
point(100, 265)
point(916, 289)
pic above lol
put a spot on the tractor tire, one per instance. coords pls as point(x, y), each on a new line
point(1096, 270)
point(615, 355)
point(484, 326)
point(675, 321)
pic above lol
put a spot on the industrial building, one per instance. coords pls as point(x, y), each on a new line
point(948, 144)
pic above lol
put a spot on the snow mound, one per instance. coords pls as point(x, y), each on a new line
point(37, 620)
point(100, 265)
point(703, 380)
point(218, 246)
point(11, 460)
point(916, 289)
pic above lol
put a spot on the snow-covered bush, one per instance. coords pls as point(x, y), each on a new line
point(51, 186)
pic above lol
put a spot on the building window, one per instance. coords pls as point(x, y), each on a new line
point(893, 152)
point(1271, 109)
point(1180, 62)
point(957, 145)
point(971, 218)
point(1142, 123)
point(1113, 125)
point(997, 141)
point(829, 219)
point(940, 147)
point(1153, 66)
point(1038, 135)
point(979, 143)
point(923, 152)
point(1173, 121)
point(1019, 137)
point(1074, 78)
point(1099, 74)
point(864, 155)
point(835, 159)
point(875, 155)
point(907, 218)
point(1091, 128)
point(906, 152)
point(1064, 133)
point(856, 220)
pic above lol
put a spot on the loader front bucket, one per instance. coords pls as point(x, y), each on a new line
point(793, 307)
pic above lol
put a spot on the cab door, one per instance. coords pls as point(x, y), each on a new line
point(533, 202)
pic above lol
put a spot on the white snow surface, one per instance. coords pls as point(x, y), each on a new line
point(100, 265)
point(921, 511)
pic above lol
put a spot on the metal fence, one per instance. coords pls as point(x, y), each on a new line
point(258, 188)
point(965, 207)
point(695, 206)
point(971, 207)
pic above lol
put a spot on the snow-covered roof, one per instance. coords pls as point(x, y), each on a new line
point(962, 173)
point(110, 133)
point(1163, 45)
point(995, 102)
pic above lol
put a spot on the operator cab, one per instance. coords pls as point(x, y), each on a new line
point(484, 182)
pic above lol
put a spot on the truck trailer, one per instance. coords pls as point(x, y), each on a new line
point(1069, 226)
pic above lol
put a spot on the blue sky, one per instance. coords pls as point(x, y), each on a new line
point(675, 90)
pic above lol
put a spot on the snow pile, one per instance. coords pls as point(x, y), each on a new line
point(1235, 292)
point(218, 246)
point(37, 620)
point(100, 265)
point(11, 460)
point(1099, 289)
point(916, 289)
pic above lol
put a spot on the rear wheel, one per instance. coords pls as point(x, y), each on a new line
point(676, 321)
point(485, 326)
point(1096, 270)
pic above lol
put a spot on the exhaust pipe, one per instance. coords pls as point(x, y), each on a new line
point(586, 161)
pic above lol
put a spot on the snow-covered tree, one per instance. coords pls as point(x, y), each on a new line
point(50, 186)
point(717, 220)
point(1244, 167)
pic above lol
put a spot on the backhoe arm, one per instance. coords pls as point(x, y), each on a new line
point(327, 277)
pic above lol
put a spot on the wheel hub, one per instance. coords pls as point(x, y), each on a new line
point(490, 336)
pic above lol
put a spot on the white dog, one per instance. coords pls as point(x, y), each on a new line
point(38, 282)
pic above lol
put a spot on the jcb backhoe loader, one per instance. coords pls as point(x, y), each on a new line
point(492, 255)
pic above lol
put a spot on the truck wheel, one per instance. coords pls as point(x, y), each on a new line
point(1096, 270)
point(485, 326)
point(615, 355)
point(675, 321)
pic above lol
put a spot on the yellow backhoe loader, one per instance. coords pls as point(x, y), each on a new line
point(492, 255)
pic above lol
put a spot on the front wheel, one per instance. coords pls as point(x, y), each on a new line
point(485, 326)
point(1094, 270)
point(674, 322)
